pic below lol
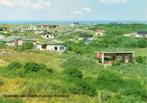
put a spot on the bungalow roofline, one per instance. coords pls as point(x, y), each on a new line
point(142, 32)
point(49, 44)
point(121, 52)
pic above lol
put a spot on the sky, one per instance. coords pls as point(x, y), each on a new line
point(73, 10)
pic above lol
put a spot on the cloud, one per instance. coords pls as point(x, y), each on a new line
point(84, 10)
point(87, 9)
point(78, 12)
point(113, 1)
point(37, 4)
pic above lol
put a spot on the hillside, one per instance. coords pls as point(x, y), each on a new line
point(76, 73)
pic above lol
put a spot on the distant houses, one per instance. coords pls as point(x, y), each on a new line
point(14, 41)
point(2, 36)
point(100, 32)
point(45, 26)
point(19, 41)
point(45, 34)
point(85, 37)
point(48, 35)
point(39, 31)
point(3, 30)
point(109, 57)
point(141, 34)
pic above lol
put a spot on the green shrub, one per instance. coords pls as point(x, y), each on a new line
point(75, 73)
point(116, 63)
point(140, 59)
point(113, 82)
point(142, 43)
point(2, 45)
point(25, 46)
point(109, 80)
point(144, 94)
point(35, 67)
point(28, 45)
point(14, 65)
point(32, 67)
point(83, 87)
point(50, 70)
point(1, 82)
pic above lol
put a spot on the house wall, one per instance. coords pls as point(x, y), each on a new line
point(58, 48)
point(10, 43)
point(19, 42)
point(141, 35)
point(120, 56)
point(99, 34)
point(39, 47)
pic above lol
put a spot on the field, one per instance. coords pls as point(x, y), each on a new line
point(76, 73)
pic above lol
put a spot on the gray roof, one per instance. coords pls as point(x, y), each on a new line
point(142, 32)
point(121, 52)
point(13, 38)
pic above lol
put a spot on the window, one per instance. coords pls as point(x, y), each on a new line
point(62, 48)
point(56, 48)
point(119, 58)
point(107, 58)
point(44, 46)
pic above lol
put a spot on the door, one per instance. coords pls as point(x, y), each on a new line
point(127, 59)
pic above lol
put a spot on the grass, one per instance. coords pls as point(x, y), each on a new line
point(115, 84)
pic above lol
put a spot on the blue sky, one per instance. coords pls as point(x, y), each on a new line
point(73, 10)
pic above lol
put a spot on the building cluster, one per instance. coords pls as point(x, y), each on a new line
point(44, 31)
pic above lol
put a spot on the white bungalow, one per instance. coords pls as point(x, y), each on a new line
point(51, 47)
point(100, 32)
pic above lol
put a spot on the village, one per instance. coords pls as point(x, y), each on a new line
point(53, 38)
point(80, 61)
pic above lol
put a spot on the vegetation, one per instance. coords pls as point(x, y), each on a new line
point(77, 72)
point(14, 65)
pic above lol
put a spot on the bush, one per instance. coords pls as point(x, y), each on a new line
point(109, 80)
point(33, 67)
point(50, 70)
point(2, 45)
point(140, 59)
point(1, 82)
point(25, 46)
point(142, 43)
point(116, 63)
point(28, 45)
point(113, 82)
point(83, 87)
point(14, 65)
point(75, 73)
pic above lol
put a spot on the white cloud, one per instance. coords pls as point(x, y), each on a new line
point(84, 10)
point(113, 1)
point(78, 12)
point(87, 10)
point(40, 4)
